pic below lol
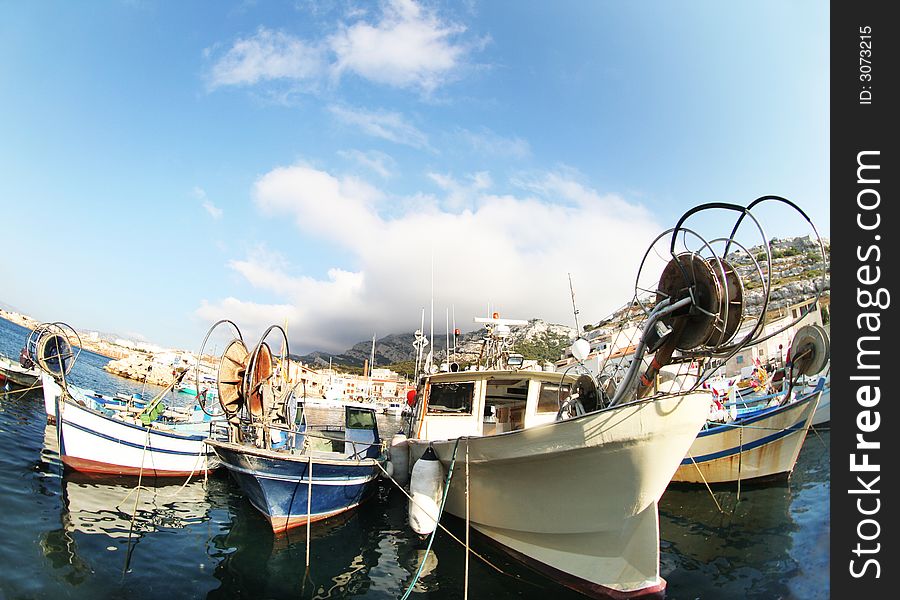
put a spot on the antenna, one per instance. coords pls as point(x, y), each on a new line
point(574, 308)
point(448, 339)
point(431, 337)
point(453, 306)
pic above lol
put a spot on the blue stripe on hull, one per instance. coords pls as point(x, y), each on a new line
point(279, 488)
point(748, 446)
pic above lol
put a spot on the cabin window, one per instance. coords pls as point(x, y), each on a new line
point(455, 398)
point(360, 419)
point(552, 396)
point(504, 405)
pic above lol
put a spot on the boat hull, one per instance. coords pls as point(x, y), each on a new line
point(762, 444)
point(17, 375)
point(577, 499)
point(277, 484)
point(92, 442)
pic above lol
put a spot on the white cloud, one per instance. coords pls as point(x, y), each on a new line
point(267, 55)
point(492, 144)
point(379, 162)
point(461, 195)
point(409, 47)
point(386, 125)
point(214, 211)
point(512, 251)
point(404, 46)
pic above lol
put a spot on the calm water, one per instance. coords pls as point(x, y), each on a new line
point(68, 536)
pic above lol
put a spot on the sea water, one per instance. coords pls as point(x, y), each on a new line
point(70, 536)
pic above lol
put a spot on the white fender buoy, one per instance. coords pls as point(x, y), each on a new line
point(426, 487)
point(389, 469)
point(399, 455)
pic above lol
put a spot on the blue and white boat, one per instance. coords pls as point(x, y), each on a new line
point(308, 474)
point(760, 443)
point(292, 471)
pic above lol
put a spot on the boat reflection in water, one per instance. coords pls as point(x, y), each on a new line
point(345, 550)
point(104, 514)
point(703, 546)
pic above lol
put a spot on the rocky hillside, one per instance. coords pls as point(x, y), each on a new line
point(797, 271)
point(797, 274)
point(538, 339)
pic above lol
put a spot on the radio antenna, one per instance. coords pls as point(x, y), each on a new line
point(574, 308)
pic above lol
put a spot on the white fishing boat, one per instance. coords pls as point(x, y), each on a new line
point(95, 435)
point(95, 438)
point(395, 408)
point(575, 499)
point(16, 374)
point(565, 472)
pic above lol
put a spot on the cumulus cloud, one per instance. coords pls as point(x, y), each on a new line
point(267, 55)
point(403, 46)
point(386, 125)
point(513, 251)
point(408, 47)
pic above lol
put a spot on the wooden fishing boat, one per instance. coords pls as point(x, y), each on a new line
point(759, 444)
point(565, 473)
point(574, 499)
point(292, 471)
point(96, 438)
point(14, 374)
point(322, 472)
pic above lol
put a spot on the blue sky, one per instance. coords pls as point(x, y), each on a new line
point(165, 164)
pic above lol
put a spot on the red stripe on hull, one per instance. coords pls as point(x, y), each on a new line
point(282, 524)
point(91, 466)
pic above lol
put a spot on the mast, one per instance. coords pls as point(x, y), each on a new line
point(574, 308)
point(431, 336)
point(372, 364)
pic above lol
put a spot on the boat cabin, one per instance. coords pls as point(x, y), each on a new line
point(484, 403)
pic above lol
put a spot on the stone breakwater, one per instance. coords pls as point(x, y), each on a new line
point(142, 367)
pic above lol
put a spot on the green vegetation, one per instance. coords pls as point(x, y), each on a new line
point(546, 347)
point(407, 368)
point(761, 257)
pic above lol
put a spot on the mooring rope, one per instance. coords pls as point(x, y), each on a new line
point(447, 531)
point(466, 586)
point(23, 390)
point(709, 489)
point(309, 485)
point(134, 510)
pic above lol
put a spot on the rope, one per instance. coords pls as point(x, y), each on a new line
point(447, 531)
point(436, 520)
point(23, 390)
point(134, 510)
point(709, 489)
point(309, 484)
point(740, 463)
point(466, 585)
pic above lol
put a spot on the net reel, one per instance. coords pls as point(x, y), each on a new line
point(50, 347)
point(251, 385)
point(229, 376)
point(710, 298)
point(810, 350)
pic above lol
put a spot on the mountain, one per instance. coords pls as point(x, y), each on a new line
point(390, 349)
point(537, 339)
